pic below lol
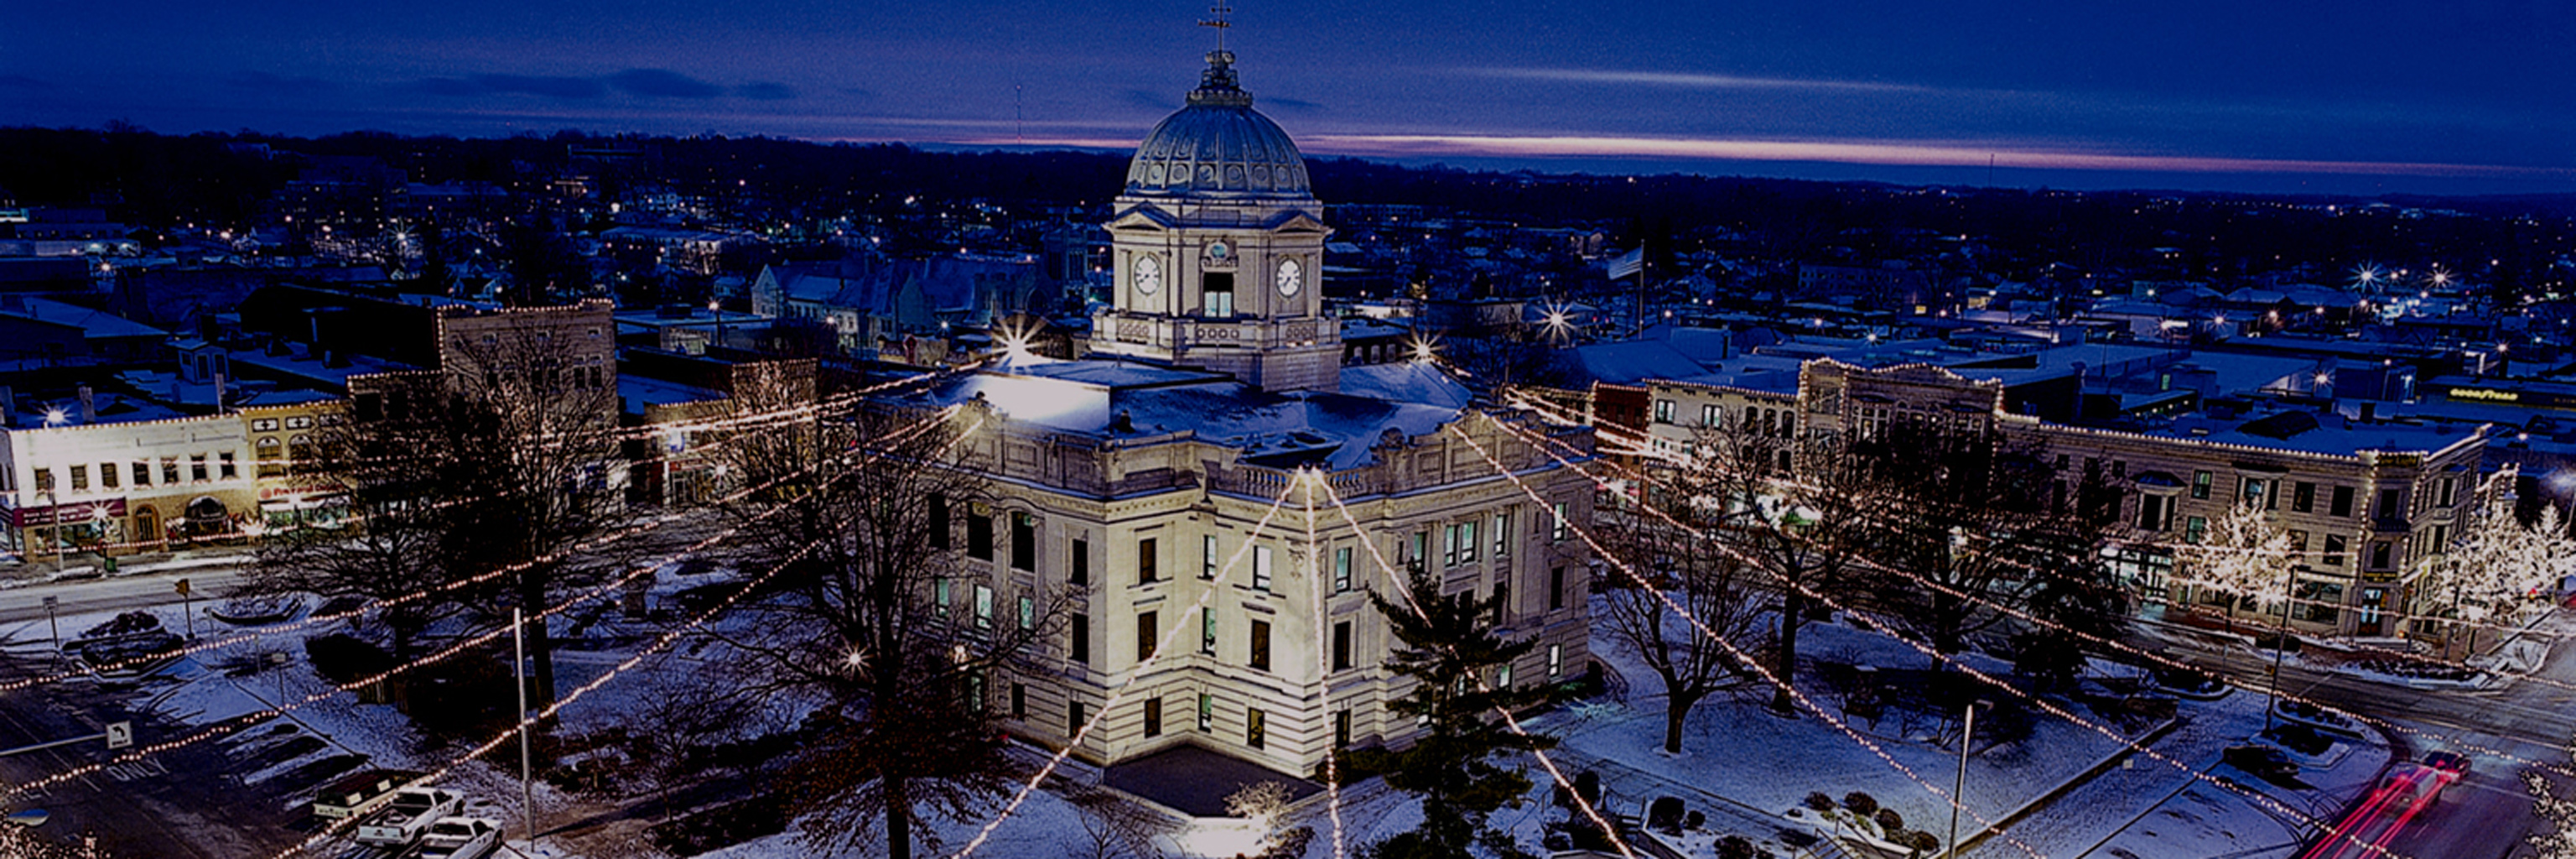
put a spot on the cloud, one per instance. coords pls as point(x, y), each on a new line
point(1150, 99)
point(1886, 153)
point(549, 86)
point(648, 83)
point(663, 83)
point(259, 80)
point(1689, 80)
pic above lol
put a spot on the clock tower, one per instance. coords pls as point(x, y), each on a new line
point(1219, 247)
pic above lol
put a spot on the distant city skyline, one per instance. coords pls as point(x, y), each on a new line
point(2474, 97)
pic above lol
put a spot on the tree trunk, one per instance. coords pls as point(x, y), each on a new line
point(898, 812)
point(1793, 614)
point(1949, 615)
point(1676, 709)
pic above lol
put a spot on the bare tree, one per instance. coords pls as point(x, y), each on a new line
point(899, 628)
point(1693, 589)
point(1966, 525)
point(1799, 507)
point(389, 543)
point(521, 463)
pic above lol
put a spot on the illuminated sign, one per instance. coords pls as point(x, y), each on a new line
point(2485, 395)
point(78, 511)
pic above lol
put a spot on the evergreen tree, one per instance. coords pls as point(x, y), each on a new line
point(1461, 671)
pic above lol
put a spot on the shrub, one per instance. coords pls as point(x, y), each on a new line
point(1734, 847)
point(340, 657)
point(1818, 801)
point(1889, 821)
point(1860, 803)
point(1922, 842)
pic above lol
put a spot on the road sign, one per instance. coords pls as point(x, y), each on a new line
point(183, 587)
point(51, 602)
point(120, 734)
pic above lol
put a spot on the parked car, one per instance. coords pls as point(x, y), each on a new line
point(2318, 717)
point(410, 813)
point(360, 792)
point(461, 838)
point(2264, 762)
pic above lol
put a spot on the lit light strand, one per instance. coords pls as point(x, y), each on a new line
point(890, 437)
point(569, 603)
point(1118, 693)
point(1323, 664)
point(1747, 659)
point(2453, 740)
point(659, 644)
point(1933, 653)
point(1404, 588)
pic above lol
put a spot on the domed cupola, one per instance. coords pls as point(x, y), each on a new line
point(1218, 146)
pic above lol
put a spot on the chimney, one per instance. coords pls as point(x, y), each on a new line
point(219, 393)
point(88, 406)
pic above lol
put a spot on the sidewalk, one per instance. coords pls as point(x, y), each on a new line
point(17, 573)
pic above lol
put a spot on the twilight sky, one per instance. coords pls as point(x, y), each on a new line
point(2361, 95)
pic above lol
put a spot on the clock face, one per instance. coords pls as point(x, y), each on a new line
point(1290, 277)
point(1148, 274)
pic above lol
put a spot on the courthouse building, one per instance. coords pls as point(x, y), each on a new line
point(1216, 390)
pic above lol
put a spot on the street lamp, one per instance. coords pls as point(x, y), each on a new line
point(1959, 788)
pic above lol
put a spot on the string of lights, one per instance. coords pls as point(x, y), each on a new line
point(2291, 600)
point(1874, 625)
point(528, 721)
point(1404, 588)
point(1747, 659)
point(2454, 740)
point(659, 644)
point(569, 603)
point(892, 436)
point(1323, 669)
point(1162, 645)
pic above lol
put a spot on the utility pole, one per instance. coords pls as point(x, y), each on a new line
point(519, 668)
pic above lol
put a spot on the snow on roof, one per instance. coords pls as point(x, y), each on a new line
point(298, 363)
point(1123, 399)
point(1631, 361)
point(94, 324)
point(1406, 382)
point(2329, 434)
point(636, 392)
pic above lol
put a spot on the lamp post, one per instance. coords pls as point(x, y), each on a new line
point(1959, 787)
point(2280, 647)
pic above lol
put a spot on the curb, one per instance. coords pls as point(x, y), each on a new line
point(2054, 793)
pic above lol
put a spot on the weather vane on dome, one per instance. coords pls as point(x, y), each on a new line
point(1219, 23)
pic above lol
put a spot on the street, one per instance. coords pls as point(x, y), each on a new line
point(209, 583)
point(2488, 812)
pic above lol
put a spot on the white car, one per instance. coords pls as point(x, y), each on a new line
point(461, 838)
point(400, 822)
